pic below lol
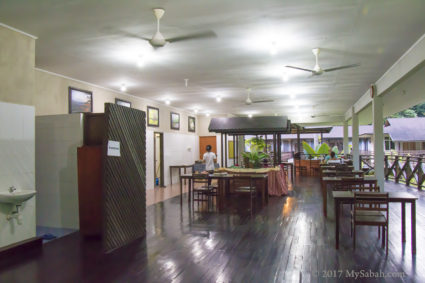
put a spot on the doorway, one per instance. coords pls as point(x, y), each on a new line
point(204, 141)
point(158, 151)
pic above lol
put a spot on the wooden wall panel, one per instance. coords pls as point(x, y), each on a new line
point(124, 188)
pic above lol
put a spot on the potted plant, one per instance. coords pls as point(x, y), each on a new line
point(254, 158)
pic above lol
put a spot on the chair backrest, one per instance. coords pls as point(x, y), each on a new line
point(365, 188)
point(200, 178)
point(371, 201)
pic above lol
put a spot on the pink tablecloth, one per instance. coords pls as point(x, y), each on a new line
point(278, 184)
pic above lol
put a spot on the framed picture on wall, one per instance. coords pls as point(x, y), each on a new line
point(80, 101)
point(153, 116)
point(191, 124)
point(123, 102)
point(175, 121)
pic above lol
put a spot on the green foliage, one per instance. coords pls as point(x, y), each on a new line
point(415, 111)
point(308, 149)
point(335, 149)
point(256, 144)
point(255, 158)
point(323, 149)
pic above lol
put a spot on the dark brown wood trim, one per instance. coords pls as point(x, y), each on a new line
point(21, 247)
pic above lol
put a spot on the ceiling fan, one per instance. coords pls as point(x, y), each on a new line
point(249, 101)
point(317, 70)
point(158, 40)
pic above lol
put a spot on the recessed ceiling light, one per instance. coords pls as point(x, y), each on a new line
point(207, 114)
point(273, 48)
point(123, 87)
point(218, 98)
point(196, 110)
point(292, 96)
point(141, 61)
point(167, 102)
point(285, 77)
point(250, 115)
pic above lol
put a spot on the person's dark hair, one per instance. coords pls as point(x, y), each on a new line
point(332, 154)
point(209, 147)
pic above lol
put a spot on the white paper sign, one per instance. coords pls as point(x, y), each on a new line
point(114, 148)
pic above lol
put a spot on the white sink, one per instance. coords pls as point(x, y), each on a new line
point(16, 197)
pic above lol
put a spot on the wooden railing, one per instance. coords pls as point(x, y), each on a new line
point(399, 168)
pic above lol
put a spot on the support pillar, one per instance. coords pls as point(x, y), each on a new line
point(355, 139)
point(378, 140)
point(345, 142)
point(298, 139)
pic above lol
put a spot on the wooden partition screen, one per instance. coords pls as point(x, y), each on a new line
point(124, 177)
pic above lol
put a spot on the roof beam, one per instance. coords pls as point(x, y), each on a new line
point(402, 68)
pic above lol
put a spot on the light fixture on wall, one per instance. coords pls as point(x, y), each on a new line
point(123, 87)
point(249, 115)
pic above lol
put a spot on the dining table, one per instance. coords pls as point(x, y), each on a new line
point(340, 181)
point(347, 197)
point(223, 181)
point(333, 172)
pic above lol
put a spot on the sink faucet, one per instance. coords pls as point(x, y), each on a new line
point(12, 189)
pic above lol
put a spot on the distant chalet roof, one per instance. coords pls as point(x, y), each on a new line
point(254, 125)
point(407, 129)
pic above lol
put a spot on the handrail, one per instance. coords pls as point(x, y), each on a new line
point(400, 168)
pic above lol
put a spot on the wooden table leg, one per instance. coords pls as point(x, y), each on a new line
point(267, 190)
point(337, 223)
point(413, 217)
point(325, 197)
point(403, 222)
point(181, 190)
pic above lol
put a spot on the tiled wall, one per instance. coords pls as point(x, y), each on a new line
point(17, 168)
point(57, 139)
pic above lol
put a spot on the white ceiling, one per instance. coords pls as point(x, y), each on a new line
point(85, 40)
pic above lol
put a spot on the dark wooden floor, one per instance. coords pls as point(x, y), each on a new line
point(286, 241)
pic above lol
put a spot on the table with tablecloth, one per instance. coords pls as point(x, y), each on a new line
point(277, 180)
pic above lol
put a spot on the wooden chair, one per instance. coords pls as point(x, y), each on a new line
point(204, 190)
point(371, 209)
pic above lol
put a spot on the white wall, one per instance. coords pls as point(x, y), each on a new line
point(17, 169)
point(57, 139)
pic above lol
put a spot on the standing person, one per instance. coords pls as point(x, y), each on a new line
point(209, 159)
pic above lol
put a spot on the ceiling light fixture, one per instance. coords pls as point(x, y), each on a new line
point(207, 114)
point(141, 61)
point(249, 115)
point(218, 98)
point(196, 110)
point(273, 48)
point(167, 102)
point(285, 77)
point(123, 87)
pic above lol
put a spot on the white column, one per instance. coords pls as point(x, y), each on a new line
point(355, 138)
point(316, 141)
point(378, 140)
point(345, 141)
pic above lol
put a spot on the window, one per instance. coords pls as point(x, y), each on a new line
point(389, 144)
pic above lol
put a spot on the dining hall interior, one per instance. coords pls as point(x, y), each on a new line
point(166, 141)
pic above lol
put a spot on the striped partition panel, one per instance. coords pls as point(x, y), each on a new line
point(124, 177)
